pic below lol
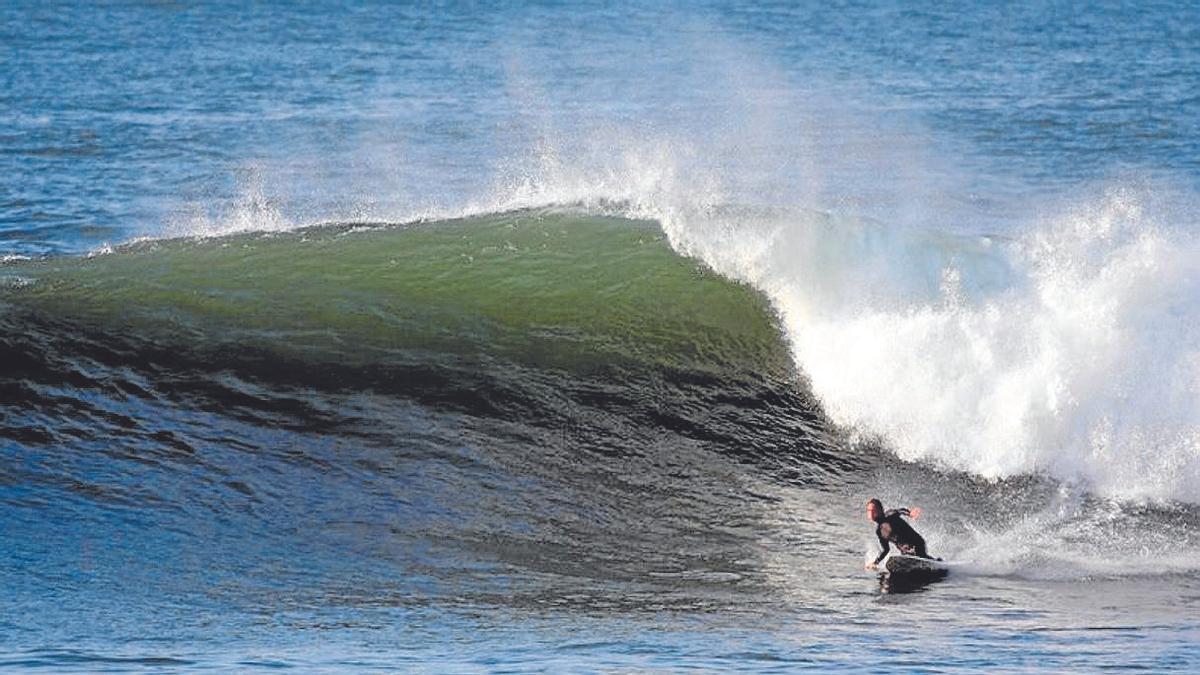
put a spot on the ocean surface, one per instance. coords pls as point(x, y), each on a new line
point(495, 337)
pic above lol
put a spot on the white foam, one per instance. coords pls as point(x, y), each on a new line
point(1071, 350)
point(1083, 367)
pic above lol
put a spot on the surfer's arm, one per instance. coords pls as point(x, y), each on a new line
point(883, 544)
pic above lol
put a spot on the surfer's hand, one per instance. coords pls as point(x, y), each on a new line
point(871, 566)
point(914, 512)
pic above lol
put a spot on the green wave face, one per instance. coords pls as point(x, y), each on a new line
point(548, 289)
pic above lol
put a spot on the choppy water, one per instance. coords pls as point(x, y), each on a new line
point(573, 337)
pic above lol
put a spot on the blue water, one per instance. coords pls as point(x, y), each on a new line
point(116, 119)
point(482, 337)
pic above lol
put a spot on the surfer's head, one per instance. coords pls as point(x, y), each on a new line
point(874, 510)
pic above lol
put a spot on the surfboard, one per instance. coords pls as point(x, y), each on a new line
point(911, 564)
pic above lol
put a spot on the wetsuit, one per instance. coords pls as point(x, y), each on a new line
point(903, 535)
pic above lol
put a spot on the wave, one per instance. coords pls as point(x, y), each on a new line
point(535, 380)
point(555, 321)
point(543, 288)
point(529, 314)
point(1064, 349)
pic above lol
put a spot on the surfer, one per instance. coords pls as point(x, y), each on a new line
point(890, 527)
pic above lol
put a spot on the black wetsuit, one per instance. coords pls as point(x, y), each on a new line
point(903, 535)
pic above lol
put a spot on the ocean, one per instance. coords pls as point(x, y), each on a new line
point(573, 337)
